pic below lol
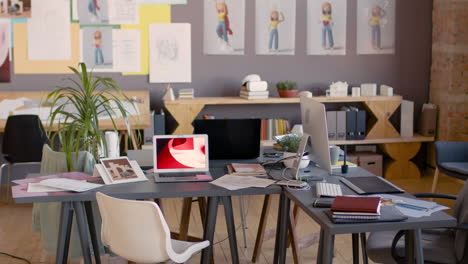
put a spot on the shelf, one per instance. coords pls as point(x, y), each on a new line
point(278, 100)
point(415, 138)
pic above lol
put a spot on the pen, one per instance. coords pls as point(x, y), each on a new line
point(410, 206)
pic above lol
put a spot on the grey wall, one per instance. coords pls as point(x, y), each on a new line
point(407, 71)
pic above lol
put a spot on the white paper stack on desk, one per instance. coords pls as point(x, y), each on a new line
point(232, 182)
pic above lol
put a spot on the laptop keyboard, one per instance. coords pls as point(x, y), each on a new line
point(177, 175)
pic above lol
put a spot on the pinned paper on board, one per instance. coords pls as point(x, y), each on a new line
point(275, 27)
point(170, 53)
point(74, 10)
point(103, 12)
point(16, 8)
point(5, 50)
point(149, 14)
point(326, 27)
point(162, 2)
point(97, 48)
point(224, 27)
point(49, 31)
point(127, 54)
point(375, 27)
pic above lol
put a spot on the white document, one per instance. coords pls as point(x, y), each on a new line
point(170, 53)
point(123, 12)
point(74, 7)
point(49, 36)
point(162, 2)
point(10, 105)
point(413, 207)
point(127, 52)
point(37, 187)
point(42, 112)
point(232, 182)
point(70, 185)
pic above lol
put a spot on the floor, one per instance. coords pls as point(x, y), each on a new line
point(16, 237)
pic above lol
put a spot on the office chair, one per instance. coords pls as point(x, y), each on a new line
point(138, 232)
point(22, 144)
point(439, 245)
point(452, 160)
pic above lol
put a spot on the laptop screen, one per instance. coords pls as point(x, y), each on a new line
point(180, 153)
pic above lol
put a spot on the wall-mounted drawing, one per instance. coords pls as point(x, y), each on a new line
point(170, 53)
point(275, 27)
point(15, 8)
point(93, 12)
point(326, 27)
point(4, 50)
point(224, 24)
point(376, 27)
point(97, 47)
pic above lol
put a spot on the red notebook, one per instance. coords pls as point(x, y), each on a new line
point(356, 204)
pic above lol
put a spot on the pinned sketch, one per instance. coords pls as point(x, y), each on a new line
point(4, 50)
point(224, 26)
point(275, 27)
point(97, 46)
point(123, 12)
point(170, 53)
point(326, 27)
point(127, 51)
point(49, 31)
point(376, 27)
point(162, 2)
point(15, 8)
point(93, 12)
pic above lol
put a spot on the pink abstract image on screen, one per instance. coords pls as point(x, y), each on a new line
point(181, 153)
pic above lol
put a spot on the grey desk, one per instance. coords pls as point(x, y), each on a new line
point(79, 203)
point(304, 199)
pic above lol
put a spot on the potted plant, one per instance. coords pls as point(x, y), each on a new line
point(75, 112)
point(290, 144)
point(287, 89)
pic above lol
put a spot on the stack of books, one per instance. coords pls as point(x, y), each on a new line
point(273, 127)
point(258, 93)
point(246, 169)
point(356, 208)
point(186, 93)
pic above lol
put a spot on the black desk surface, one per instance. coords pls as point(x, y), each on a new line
point(150, 190)
point(305, 199)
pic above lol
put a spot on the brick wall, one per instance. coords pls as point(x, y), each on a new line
point(449, 71)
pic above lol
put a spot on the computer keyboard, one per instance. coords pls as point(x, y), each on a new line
point(328, 189)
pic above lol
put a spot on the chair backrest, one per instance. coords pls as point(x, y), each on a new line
point(23, 139)
point(134, 230)
point(451, 151)
point(461, 213)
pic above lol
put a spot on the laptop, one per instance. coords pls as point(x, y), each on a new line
point(231, 138)
point(181, 158)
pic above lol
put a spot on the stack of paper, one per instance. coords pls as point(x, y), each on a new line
point(246, 169)
point(186, 93)
point(232, 182)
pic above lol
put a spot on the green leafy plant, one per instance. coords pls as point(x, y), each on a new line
point(290, 142)
point(286, 85)
point(76, 110)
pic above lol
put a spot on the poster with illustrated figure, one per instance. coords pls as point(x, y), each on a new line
point(224, 25)
point(4, 50)
point(97, 48)
point(93, 12)
point(16, 8)
point(375, 27)
point(170, 47)
point(275, 27)
point(326, 27)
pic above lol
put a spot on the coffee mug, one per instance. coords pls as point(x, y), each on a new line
point(334, 154)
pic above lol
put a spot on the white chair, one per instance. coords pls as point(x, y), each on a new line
point(138, 232)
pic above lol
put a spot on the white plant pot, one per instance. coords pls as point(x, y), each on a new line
point(289, 163)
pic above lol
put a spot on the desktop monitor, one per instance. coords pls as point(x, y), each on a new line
point(315, 136)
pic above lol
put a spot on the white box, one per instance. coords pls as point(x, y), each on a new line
point(356, 91)
point(368, 89)
point(386, 90)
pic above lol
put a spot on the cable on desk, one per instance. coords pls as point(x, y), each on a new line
point(305, 188)
point(15, 257)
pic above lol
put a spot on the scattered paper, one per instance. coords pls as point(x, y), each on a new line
point(427, 208)
point(42, 112)
point(10, 105)
point(49, 36)
point(37, 187)
point(232, 182)
point(70, 184)
point(170, 53)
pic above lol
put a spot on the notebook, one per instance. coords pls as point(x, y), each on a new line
point(370, 185)
point(387, 214)
point(350, 204)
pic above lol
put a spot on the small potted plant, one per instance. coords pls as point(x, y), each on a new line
point(290, 144)
point(287, 89)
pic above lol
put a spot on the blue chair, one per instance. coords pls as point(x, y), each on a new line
point(452, 160)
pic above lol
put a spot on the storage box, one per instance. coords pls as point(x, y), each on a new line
point(369, 161)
